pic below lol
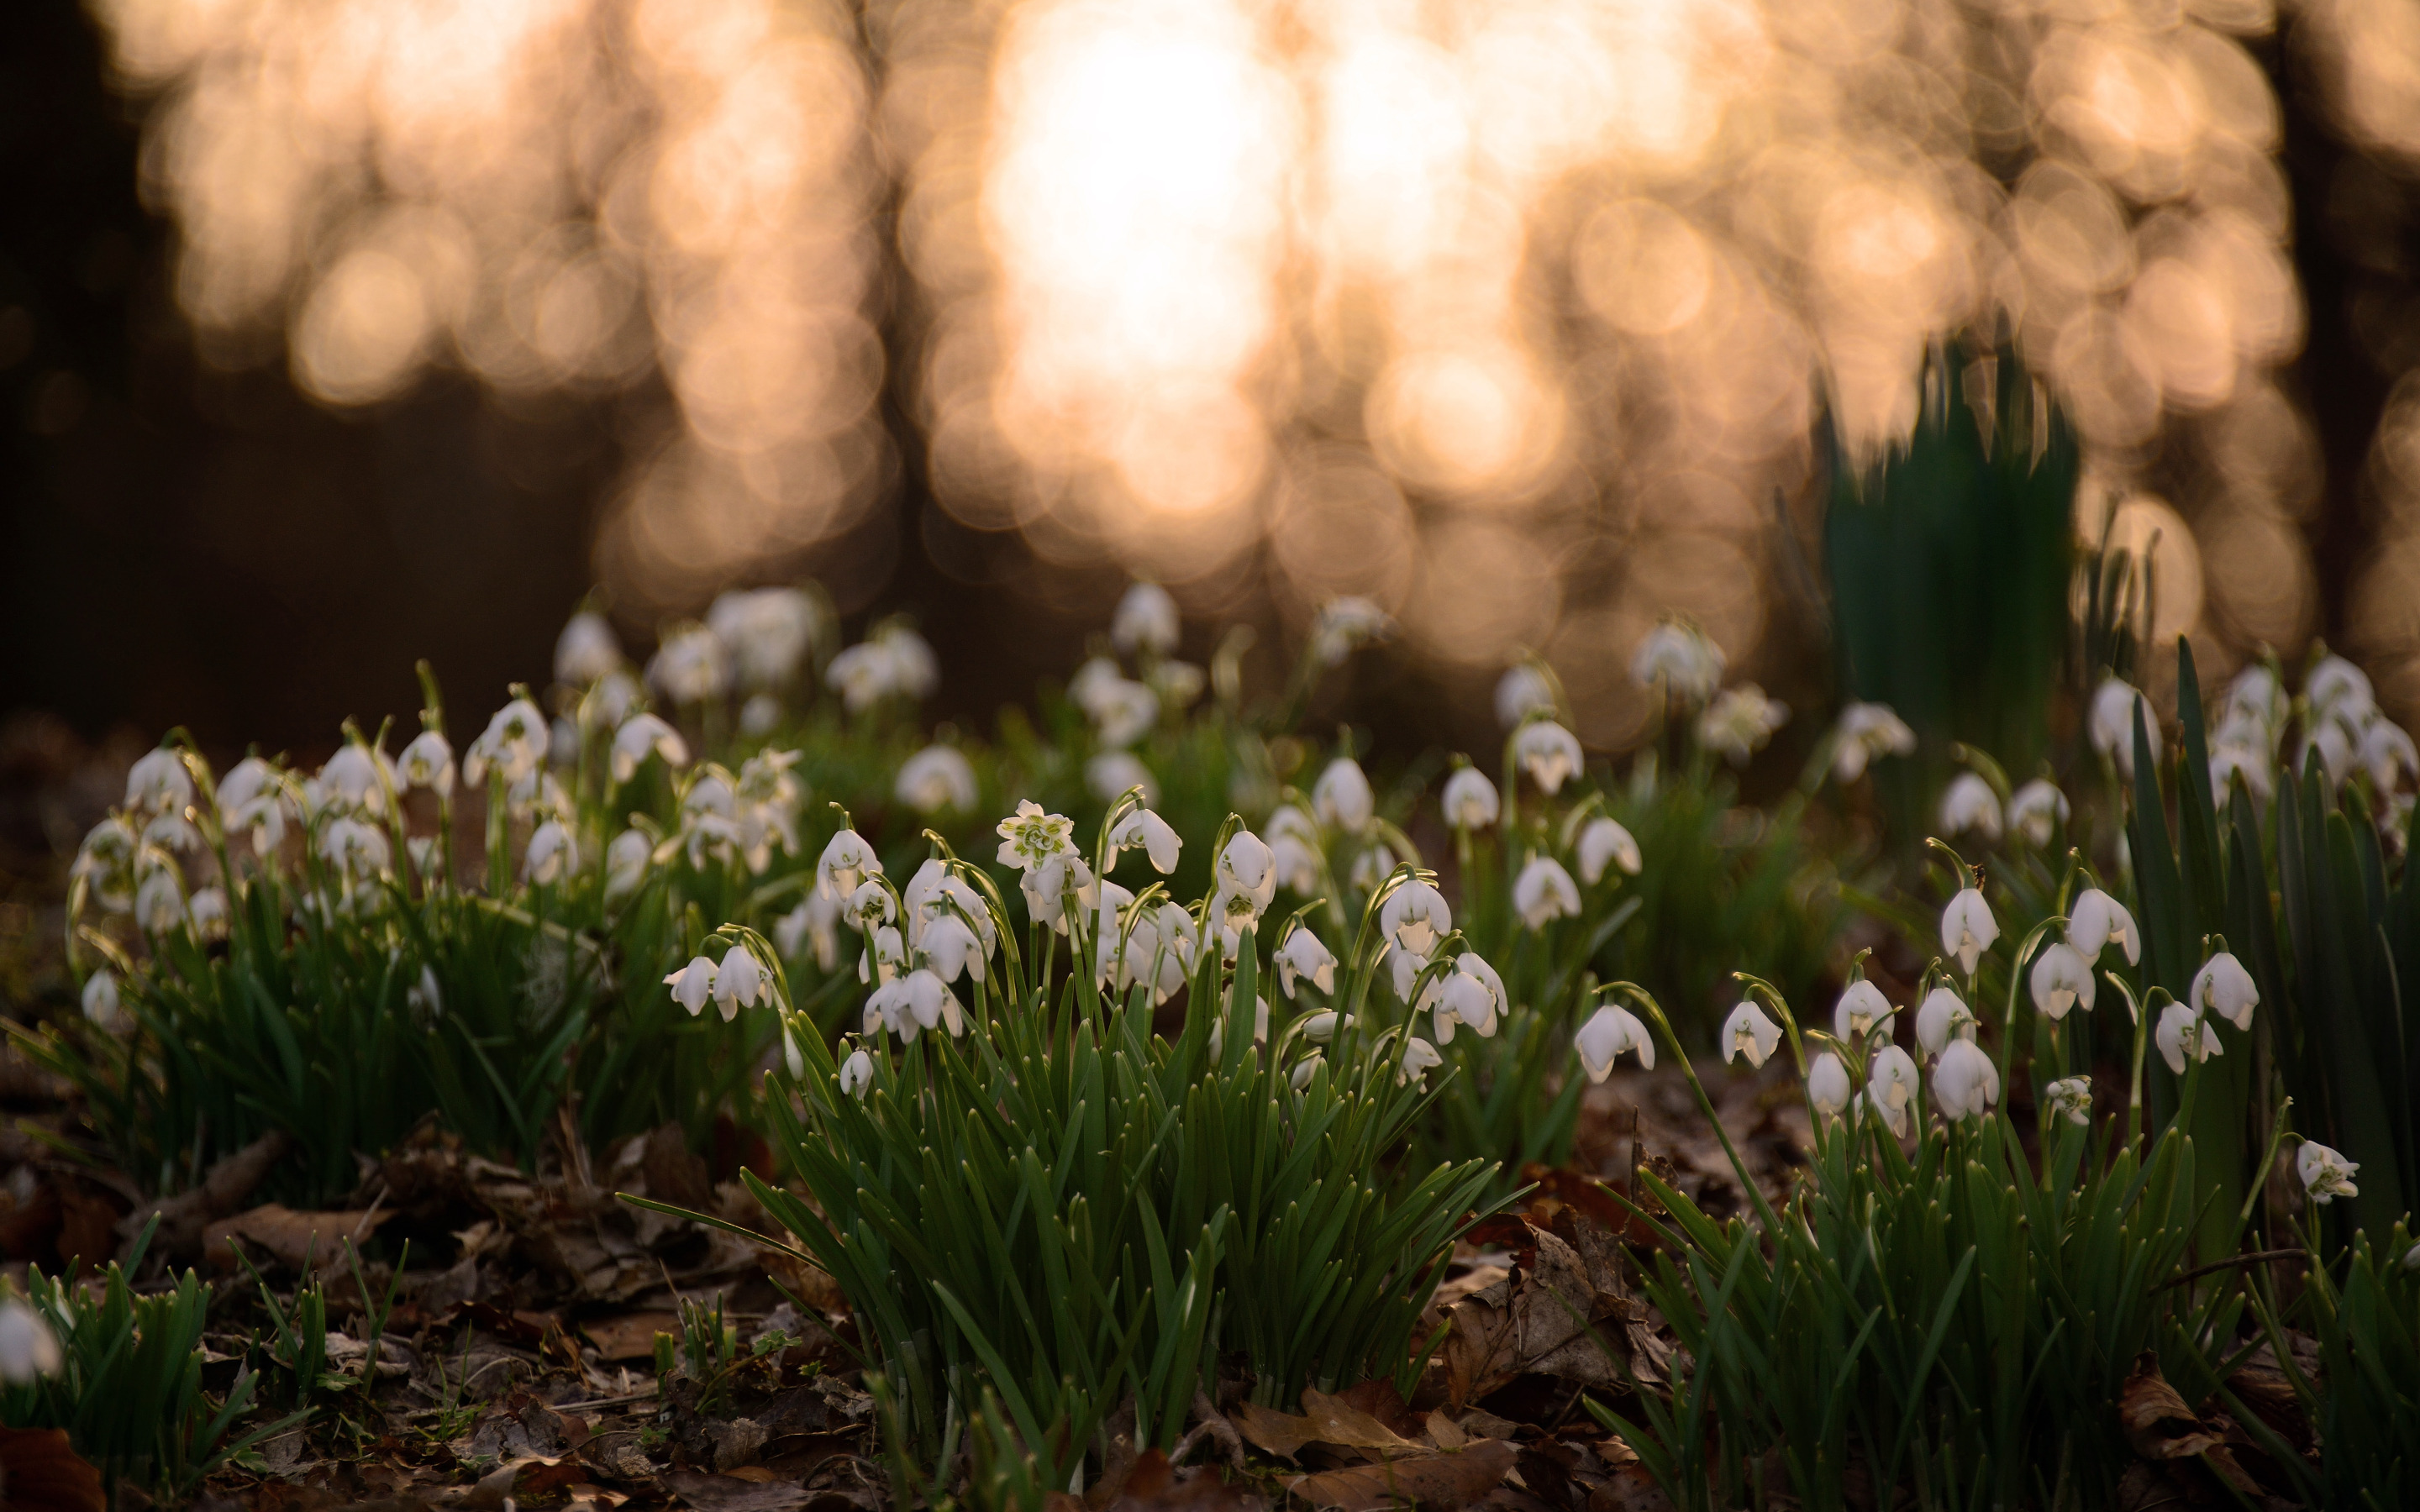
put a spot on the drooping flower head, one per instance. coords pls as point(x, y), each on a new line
point(1545, 893)
point(1966, 1084)
point(1944, 1017)
point(1146, 622)
point(1867, 733)
point(1968, 929)
point(2182, 1035)
point(1030, 836)
point(1341, 798)
point(1548, 752)
point(1470, 800)
point(2326, 1175)
point(1748, 1033)
point(1601, 841)
point(1969, 804)
point(2061, 981)
point(2095, 921)
point(1345, 626)
point(937, 778)
point(2037, 810)
point(641, 736)
point(1523, 690)
point(1861, 1010)
point(2224, 987)
point(1154, 836)
point(1739, 721)
point(2068, 1098)
point(1611, 1032)
point(1680, 656)
point(2112, 724)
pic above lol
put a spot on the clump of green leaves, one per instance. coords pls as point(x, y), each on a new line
point(129, 1387)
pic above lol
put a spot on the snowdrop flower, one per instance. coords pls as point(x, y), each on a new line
point(105, 863)
point(1866, 733)
point(2112, 724)
point(1748, 1033)
point(1945, 1017)
point(913, 670)
point(426, 762)
point(864, 673)
point(908, 1005)
point(1548, 752)
point(2338, 688)
point(1740, 720)
point(1609, 1032)
point(551, 854)
point(2070, 1098)
point(1604, 841)
point(249, 799)
point(159, 783)
point(1545, 893)
point(815, 922)
point(2412, 1258)
point(856, 1074)
point(172, 832)
point(2063, 980)
point(1968, 929)
point(1414, 918)
point(563, 741)
point(2036, 810)
point(28, 1349)
point(1177, 683)
point(1420, 1058)
point(100, 999)
point(611, 699)
point(1470, 801)
point(1050, 883)
point(1678, 656)
point(884, 957)
point(1969, 803)
point(1029, 836)
point(1305, 957)
point(1158, 949)
point(1523, 690)
point(1157, 837)
point(2257, 697)
point(2387, 751)
point(160, 902)
point(1294, 843)
point(1111, 774)
point(690, 666)
point(936, 779)
point(739, 982)
point(356, 776)
point(847, 862)
point(515, 742)
point(642, 735)
point(1308, 1068)
point(759, 716)
point(1345, 626)
point(1341, 798)
point(1319, 1028)
point(353, 848)
point(766, 633)
point(2180, 1034)
point(1470, 993)
point(1122, 711)
point(2222, 987)
point(1891, 1086)
point(1247, 867)
point(1966, 1084)
point(2095, 921)
point(953, 947)
point(870, 906)
point(1827, 1085)
point(626, 858)
point(1861, 1010)
point(1146, 621)
point(425, 997)
point(2326, 1175)
point(1219, 1025)
point(207, 911)
point(586, 650)
point(1374, 865)
point(935, 893)
point(693, 984)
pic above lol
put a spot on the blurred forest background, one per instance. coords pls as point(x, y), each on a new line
point(331, 337)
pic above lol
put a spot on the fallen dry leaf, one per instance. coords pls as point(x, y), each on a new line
point(729, 1493)
point(2158, 1423)
point(315, 1239)
point(1548, 1321)
point(1334, 1420)
point(1446, 1479)
point(1154, 1485)
point(1282, 1434)
point(38, 1473)
point(630, 1336)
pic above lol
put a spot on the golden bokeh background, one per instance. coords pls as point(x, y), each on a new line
point(1517, 316)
